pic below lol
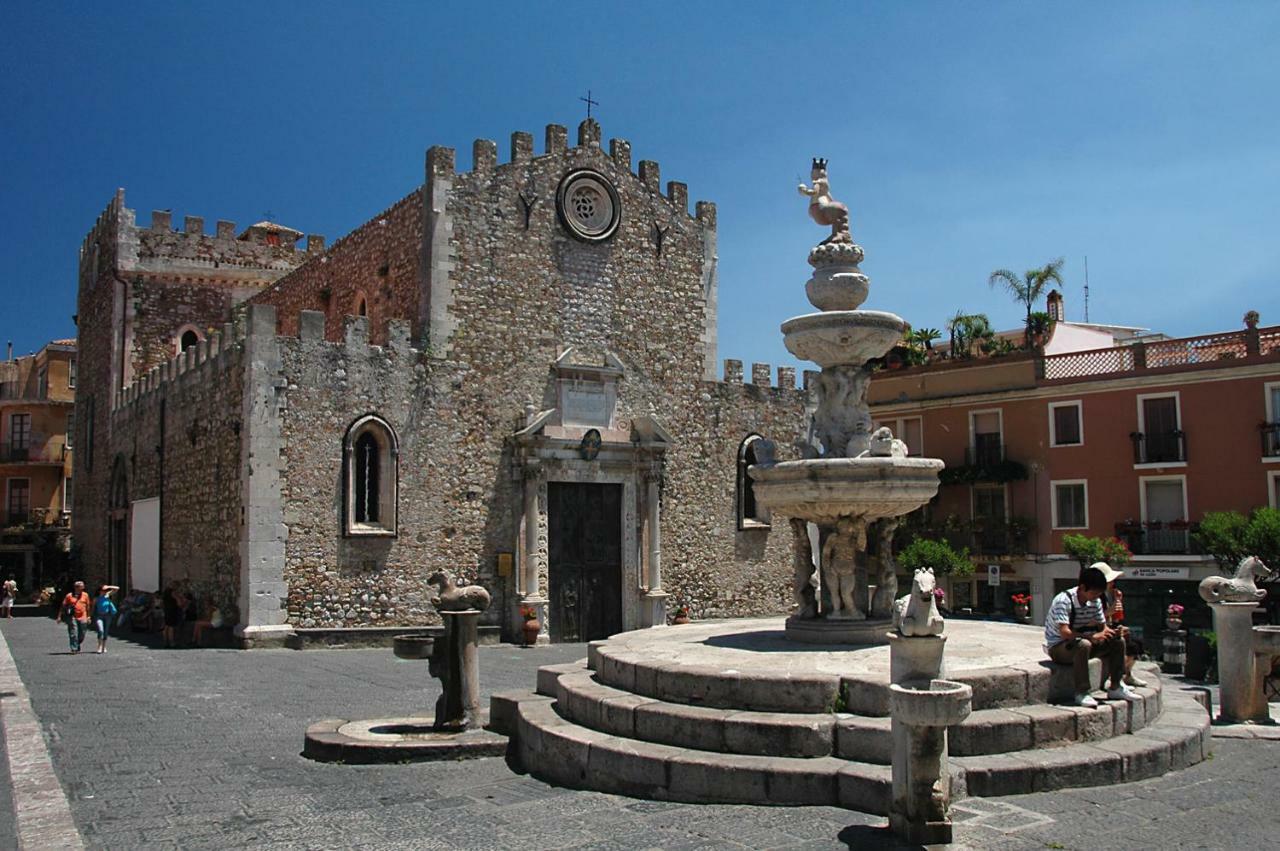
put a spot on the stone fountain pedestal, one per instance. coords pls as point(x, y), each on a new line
point(922, 706)
point(1244, 660)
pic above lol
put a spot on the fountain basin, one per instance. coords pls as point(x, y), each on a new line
point(413, 646)
point(1266, 639)
point(933, 703)
point(822, 490)
point(837, 337)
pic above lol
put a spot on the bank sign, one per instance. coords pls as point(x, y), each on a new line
point(1166, 573)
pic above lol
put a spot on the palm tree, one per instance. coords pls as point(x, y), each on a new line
point(967, 329)
point(1028, 289)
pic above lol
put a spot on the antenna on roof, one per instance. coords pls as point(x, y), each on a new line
point(1086, 288)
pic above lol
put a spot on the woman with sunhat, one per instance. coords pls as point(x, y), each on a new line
point(1113, 606)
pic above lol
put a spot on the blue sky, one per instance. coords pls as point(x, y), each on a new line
point(963, 136)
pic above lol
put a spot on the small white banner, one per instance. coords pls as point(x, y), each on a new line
point(1157, 573)
point(993, 574)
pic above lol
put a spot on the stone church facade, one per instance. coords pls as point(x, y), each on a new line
point(509, 374)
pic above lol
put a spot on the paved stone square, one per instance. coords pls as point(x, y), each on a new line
point(201, 749)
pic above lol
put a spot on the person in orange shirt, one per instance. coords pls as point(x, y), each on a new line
point(75, 610)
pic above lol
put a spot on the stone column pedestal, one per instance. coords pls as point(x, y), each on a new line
point(921, 707)
point(654, 608)
point(454, 661)
point(1241, 698)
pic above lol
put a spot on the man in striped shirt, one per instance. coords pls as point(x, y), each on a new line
point(1076, 630)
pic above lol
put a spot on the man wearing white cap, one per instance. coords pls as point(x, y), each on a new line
point(1076, 630)
point(1113, 606)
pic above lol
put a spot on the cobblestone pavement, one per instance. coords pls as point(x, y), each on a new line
point(200, 749)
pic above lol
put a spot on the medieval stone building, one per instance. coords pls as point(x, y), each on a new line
point(510, 374)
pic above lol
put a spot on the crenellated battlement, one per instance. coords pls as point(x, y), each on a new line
point(484, 162)
point(762, 376)
point(105, 225)
point(222, 351)
point(268, 233)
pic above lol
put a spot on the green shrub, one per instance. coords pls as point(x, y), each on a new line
point(927, 552)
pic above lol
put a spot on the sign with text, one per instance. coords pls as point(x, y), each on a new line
point(993, 574)
point(1158, 573)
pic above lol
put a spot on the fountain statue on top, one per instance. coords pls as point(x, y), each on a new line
point(851, 475)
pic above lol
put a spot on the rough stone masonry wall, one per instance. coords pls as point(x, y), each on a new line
point(710, 565)
point(378, 262)
point(177, 431)
point(189, 277)
point(91, 461)
point(334, 580)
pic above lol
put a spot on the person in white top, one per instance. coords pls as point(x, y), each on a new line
point(1076, 631)
point(8, 595)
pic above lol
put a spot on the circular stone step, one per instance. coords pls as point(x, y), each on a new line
point(750, 664)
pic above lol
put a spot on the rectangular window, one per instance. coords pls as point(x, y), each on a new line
point(1159, 430)
point(986, 427)
point(42, 383)
point(18, 504)
point(1065, 424)
point(71, 428)
point(66, 495)
point(1070, 505)
point(1164, 515)
point(910, 430)
point(1271, 427)
point(71, 374)
point(1273, 492)
point(988, 502)
point(19, 437)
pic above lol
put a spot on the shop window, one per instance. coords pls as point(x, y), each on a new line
point(1070, 505)
point(371, 457)
point(751, 515)
point(1066, 424)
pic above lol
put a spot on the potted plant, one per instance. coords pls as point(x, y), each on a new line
point(1251, 319)
point(531, 626)
point(1173, 617)
point(680, 615)
point(1021, 607)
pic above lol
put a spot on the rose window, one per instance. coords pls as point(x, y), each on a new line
point(588, 205)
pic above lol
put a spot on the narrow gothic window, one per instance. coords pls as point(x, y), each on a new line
point(189, 340)
point(751, 515)
point(370, 456)
point(366, 479)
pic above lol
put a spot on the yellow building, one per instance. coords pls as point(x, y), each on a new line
point(37, 410)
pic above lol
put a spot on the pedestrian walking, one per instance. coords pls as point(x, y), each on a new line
point(75, 610)
point(8, 596)
point(104, 613)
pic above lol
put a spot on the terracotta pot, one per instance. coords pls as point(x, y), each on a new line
point(531, 629)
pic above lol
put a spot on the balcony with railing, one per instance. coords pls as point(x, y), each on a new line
point(1159, 447)
point(982, 537)
point(1270, 439)
point(1153, 537)
point(33, 453)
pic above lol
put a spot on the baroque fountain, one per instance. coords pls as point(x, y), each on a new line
point(817, 710)
point(851, 475)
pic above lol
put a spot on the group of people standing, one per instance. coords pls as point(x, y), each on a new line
point(78, 611)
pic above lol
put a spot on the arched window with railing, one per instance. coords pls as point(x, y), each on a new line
point(751, 515)
point(371, 455)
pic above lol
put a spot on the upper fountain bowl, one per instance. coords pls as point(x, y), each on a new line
point(838, 337)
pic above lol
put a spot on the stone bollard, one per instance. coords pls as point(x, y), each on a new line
point(921, 707)
point(454, 663)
